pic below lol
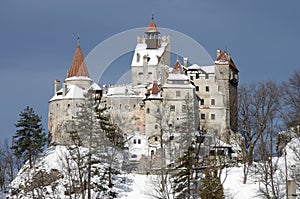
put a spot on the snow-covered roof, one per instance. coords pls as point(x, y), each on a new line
point(207, 69)
point(73, 92)
point(178, 76)
point(154, 54)
point(78, 78)
point(178, 86)
point(120, 90)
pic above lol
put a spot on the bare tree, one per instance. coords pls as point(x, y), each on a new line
point(258, 105)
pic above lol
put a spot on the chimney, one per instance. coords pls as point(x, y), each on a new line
point(185, 62)
point(65, 88)
point(56, 85)
point(218, 53)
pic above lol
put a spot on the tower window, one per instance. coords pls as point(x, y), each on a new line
point(212, 116)
point(138, 56)
point(207, 88)
point(197, 88)
point(202, 116)
point(69, 105)
point(213, 101)
point(148, 110)
point(201, 101)
point(155, 139)
point(134, 141)
point(139, 141)
point(172, 108)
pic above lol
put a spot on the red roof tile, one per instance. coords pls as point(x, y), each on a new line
point(155, 88)
point(78, 67)
point(177, 68)
point(223, 57)
point(152, 28)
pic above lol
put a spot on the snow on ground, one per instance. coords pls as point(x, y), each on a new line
point(138, 188)
point(234, 187)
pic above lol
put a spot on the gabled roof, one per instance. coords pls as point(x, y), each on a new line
point(223, 58)
point(152, 28)
point(78, 67)
point(177, 68)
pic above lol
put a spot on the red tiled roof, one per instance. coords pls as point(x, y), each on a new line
point(177, 68)
point(223, 57)
point(155, 88)
point(152, 28)
point(78, 67)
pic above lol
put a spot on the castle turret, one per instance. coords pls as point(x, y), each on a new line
point(63, 106)
point(227, 76)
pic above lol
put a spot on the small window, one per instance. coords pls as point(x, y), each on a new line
point(184, 108)
point(202, 116)
point(155, 126)
point(155, 139)
point(69, 105)
point(120, 106)
point(201, 101)
point(138, 56)
point(140, 73)
point(207, 88)
point(139, 83)
point(206, 76)
point(150, 73)
point(213, 102)
point(158, 110)
point(197, 88)
point(148, 110)
point(139, 141)
point(134, 141)
point(172, 108)
point(134, 156)
point(177, 93)
point(134, 106)
point(212, 116)
point(191, 77)
point(197, 76)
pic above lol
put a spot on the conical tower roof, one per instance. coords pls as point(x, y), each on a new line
point(152, 27)
point(78, 67)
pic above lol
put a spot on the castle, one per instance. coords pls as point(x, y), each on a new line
point(164, 103)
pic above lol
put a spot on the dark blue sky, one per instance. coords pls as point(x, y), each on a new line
point(38, 39)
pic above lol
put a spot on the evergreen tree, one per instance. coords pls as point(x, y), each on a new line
point(211, 187)
point(183, 178)
point(29, 139)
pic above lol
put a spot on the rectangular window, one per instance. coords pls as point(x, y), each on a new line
point(177, 93)
point(191, 77)
point(172, 108)
point(207, 88)
point(213, 102)
point(206, 76)
point(139, 141)
point(197, 76)
point(201, 101)
point(202, 116)
point(197, 88)
point(212, 116)
point(184, 108)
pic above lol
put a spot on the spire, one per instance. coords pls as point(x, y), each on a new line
point(78, 67)
point(152, 27)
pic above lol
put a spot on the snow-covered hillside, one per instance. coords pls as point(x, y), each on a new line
point(49, 178)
